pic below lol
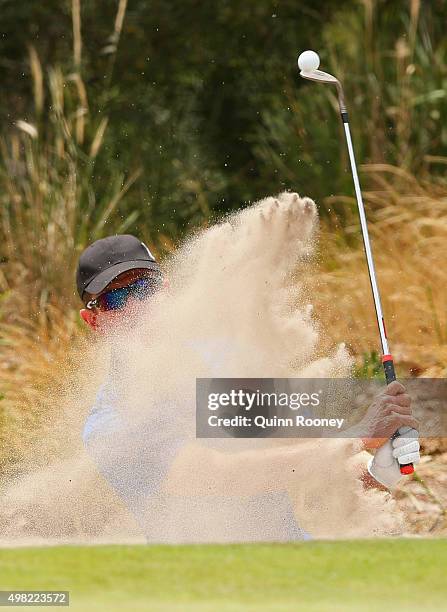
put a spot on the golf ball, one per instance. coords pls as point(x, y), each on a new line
point(308, 61)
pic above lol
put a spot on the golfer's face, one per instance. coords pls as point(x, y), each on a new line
point(125, 316)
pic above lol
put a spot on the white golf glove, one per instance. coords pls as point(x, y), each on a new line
point(385, 465)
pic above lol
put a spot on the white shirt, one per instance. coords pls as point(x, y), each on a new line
point(135, 458)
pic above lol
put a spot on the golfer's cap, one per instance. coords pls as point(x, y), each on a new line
point(107, 258)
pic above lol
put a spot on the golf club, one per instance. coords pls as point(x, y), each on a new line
point(308, 63)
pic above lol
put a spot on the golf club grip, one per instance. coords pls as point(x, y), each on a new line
point(390, 375)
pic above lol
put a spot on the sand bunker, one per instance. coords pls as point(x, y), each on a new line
point(235, 306)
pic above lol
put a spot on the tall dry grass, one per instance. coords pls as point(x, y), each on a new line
point(408, 227)
point(37, 364)
point(52, 204)
point(392, 63)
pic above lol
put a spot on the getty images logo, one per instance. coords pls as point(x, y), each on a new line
point(247, 400)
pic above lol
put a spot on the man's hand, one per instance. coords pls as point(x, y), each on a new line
point(384, 468)
point(389, 411)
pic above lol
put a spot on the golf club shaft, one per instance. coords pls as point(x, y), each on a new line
point(387, 359)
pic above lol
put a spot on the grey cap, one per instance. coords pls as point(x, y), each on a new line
point(107, 258)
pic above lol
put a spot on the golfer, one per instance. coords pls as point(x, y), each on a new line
point(114, 275)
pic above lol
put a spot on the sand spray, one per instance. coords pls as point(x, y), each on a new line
point(235, 305)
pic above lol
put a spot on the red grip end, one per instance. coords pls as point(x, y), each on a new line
point(387, 358)
point(407, 469)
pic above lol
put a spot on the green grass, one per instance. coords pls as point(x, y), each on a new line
point(397, 575)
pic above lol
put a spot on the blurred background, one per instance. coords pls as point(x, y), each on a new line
point(158, 118)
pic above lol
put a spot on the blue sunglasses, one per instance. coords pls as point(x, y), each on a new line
point(116, 299)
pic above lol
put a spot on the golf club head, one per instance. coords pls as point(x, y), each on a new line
point(318, 75)
point(324, 77)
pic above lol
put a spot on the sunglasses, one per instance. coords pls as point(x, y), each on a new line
point(142, 288)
